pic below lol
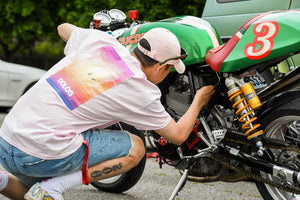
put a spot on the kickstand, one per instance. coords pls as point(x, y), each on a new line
point(179, 184)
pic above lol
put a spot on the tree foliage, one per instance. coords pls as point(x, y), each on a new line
point(24, 22)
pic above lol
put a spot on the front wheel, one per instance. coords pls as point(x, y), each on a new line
point(283, 125)
point(126, 180)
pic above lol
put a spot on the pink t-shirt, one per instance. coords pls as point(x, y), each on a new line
point(96, 84)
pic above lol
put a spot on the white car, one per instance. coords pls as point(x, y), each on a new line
point(15, 80)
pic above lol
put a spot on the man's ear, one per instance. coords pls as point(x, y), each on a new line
point(159, 67)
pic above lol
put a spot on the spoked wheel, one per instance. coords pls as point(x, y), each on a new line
point(125, 181)
point(283, 125)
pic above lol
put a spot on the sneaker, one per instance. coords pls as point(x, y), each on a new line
point(36, 192)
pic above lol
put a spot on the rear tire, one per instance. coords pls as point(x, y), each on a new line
point(281, 124)
point(126, 180)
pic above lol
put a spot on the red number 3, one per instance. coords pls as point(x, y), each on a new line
point(263, 42)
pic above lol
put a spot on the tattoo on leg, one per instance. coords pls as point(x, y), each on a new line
point(106, 170)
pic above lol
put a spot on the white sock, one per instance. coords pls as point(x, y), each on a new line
point(58, 185)
point(3, 180)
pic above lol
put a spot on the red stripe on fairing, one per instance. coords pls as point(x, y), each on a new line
point(136, 28)
point(216, 56)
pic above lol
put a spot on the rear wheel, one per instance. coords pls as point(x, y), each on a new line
point(283, 125)
point(126, 180)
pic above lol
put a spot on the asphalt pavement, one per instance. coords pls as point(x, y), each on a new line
point(158, 184)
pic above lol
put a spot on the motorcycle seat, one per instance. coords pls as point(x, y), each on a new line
point(216, 56)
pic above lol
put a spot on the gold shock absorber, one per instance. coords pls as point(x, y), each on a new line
point(246, 101)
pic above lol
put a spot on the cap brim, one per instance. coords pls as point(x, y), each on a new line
point(179, 66)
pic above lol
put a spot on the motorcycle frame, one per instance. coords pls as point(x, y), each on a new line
point(287, 83)
point(272, 96)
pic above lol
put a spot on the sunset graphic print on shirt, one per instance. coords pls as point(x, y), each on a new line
point(89, 76)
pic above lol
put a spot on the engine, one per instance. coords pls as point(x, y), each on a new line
point(177, 98)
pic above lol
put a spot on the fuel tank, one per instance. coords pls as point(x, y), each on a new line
point(195, 35)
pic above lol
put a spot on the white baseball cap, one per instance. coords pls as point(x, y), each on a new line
point(164, 48)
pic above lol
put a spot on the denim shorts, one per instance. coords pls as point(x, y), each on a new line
point(103, 145)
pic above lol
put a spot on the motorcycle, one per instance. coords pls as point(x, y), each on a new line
point(251, 127)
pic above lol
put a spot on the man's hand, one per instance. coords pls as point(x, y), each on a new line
point(178, 132)
point(65, 30)
point(205, 93)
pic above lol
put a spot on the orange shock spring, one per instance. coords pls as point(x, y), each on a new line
point(244, 110)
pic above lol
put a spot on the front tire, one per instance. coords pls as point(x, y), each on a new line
point(126, 180)
point(284, 125)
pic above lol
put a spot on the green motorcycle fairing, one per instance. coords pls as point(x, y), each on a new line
point(195, 35)
point(272, 35)
point(266, 36)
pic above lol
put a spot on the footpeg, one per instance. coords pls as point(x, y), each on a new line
point(219, 134)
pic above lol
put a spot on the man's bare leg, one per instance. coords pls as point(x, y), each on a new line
point(120, 165)
point(15, 189)
point(58, 185)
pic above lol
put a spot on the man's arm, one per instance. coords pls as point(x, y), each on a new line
point(65, 30)
point(178, 132)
